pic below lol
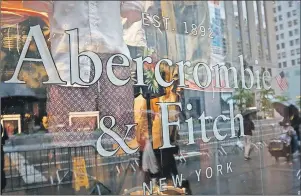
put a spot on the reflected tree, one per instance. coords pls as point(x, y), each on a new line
point(282, 98)
point(243, 98)
point(265, 101)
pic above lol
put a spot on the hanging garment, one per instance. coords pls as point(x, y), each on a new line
point(140, 114)
point(173, 111)
point(90, 18)
point(110, 100)
point(134, 33)
point(149, 163)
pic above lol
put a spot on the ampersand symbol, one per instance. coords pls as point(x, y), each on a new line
point(116, 137)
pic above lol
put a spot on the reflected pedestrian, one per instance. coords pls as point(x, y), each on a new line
point(4, 137)
point(288, 137)
point(248, 129)
point(295, 122)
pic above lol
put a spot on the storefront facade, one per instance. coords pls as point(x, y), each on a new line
point(147, 97)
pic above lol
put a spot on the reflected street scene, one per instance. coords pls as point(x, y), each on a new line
point(150, 98)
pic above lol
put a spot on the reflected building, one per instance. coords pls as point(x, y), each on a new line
point(247, 28)
point(287, 27)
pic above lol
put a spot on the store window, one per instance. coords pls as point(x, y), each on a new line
point(147, 98)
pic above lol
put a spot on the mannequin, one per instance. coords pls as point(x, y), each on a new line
point(99, 30)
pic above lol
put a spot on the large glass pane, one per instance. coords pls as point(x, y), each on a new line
point(149, 97)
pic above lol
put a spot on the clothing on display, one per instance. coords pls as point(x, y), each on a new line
point(90, 17)
point(110, 100)
point(134, 33)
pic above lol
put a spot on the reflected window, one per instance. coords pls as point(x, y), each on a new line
point(296, 31)
point(282, 36)
point(270, 71)
point(295, 22)
point(280, 17)
point(293, 62)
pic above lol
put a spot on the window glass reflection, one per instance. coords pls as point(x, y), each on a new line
point(265, 36)
point(258, 29)
point(246, 29)
point(237, 33)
